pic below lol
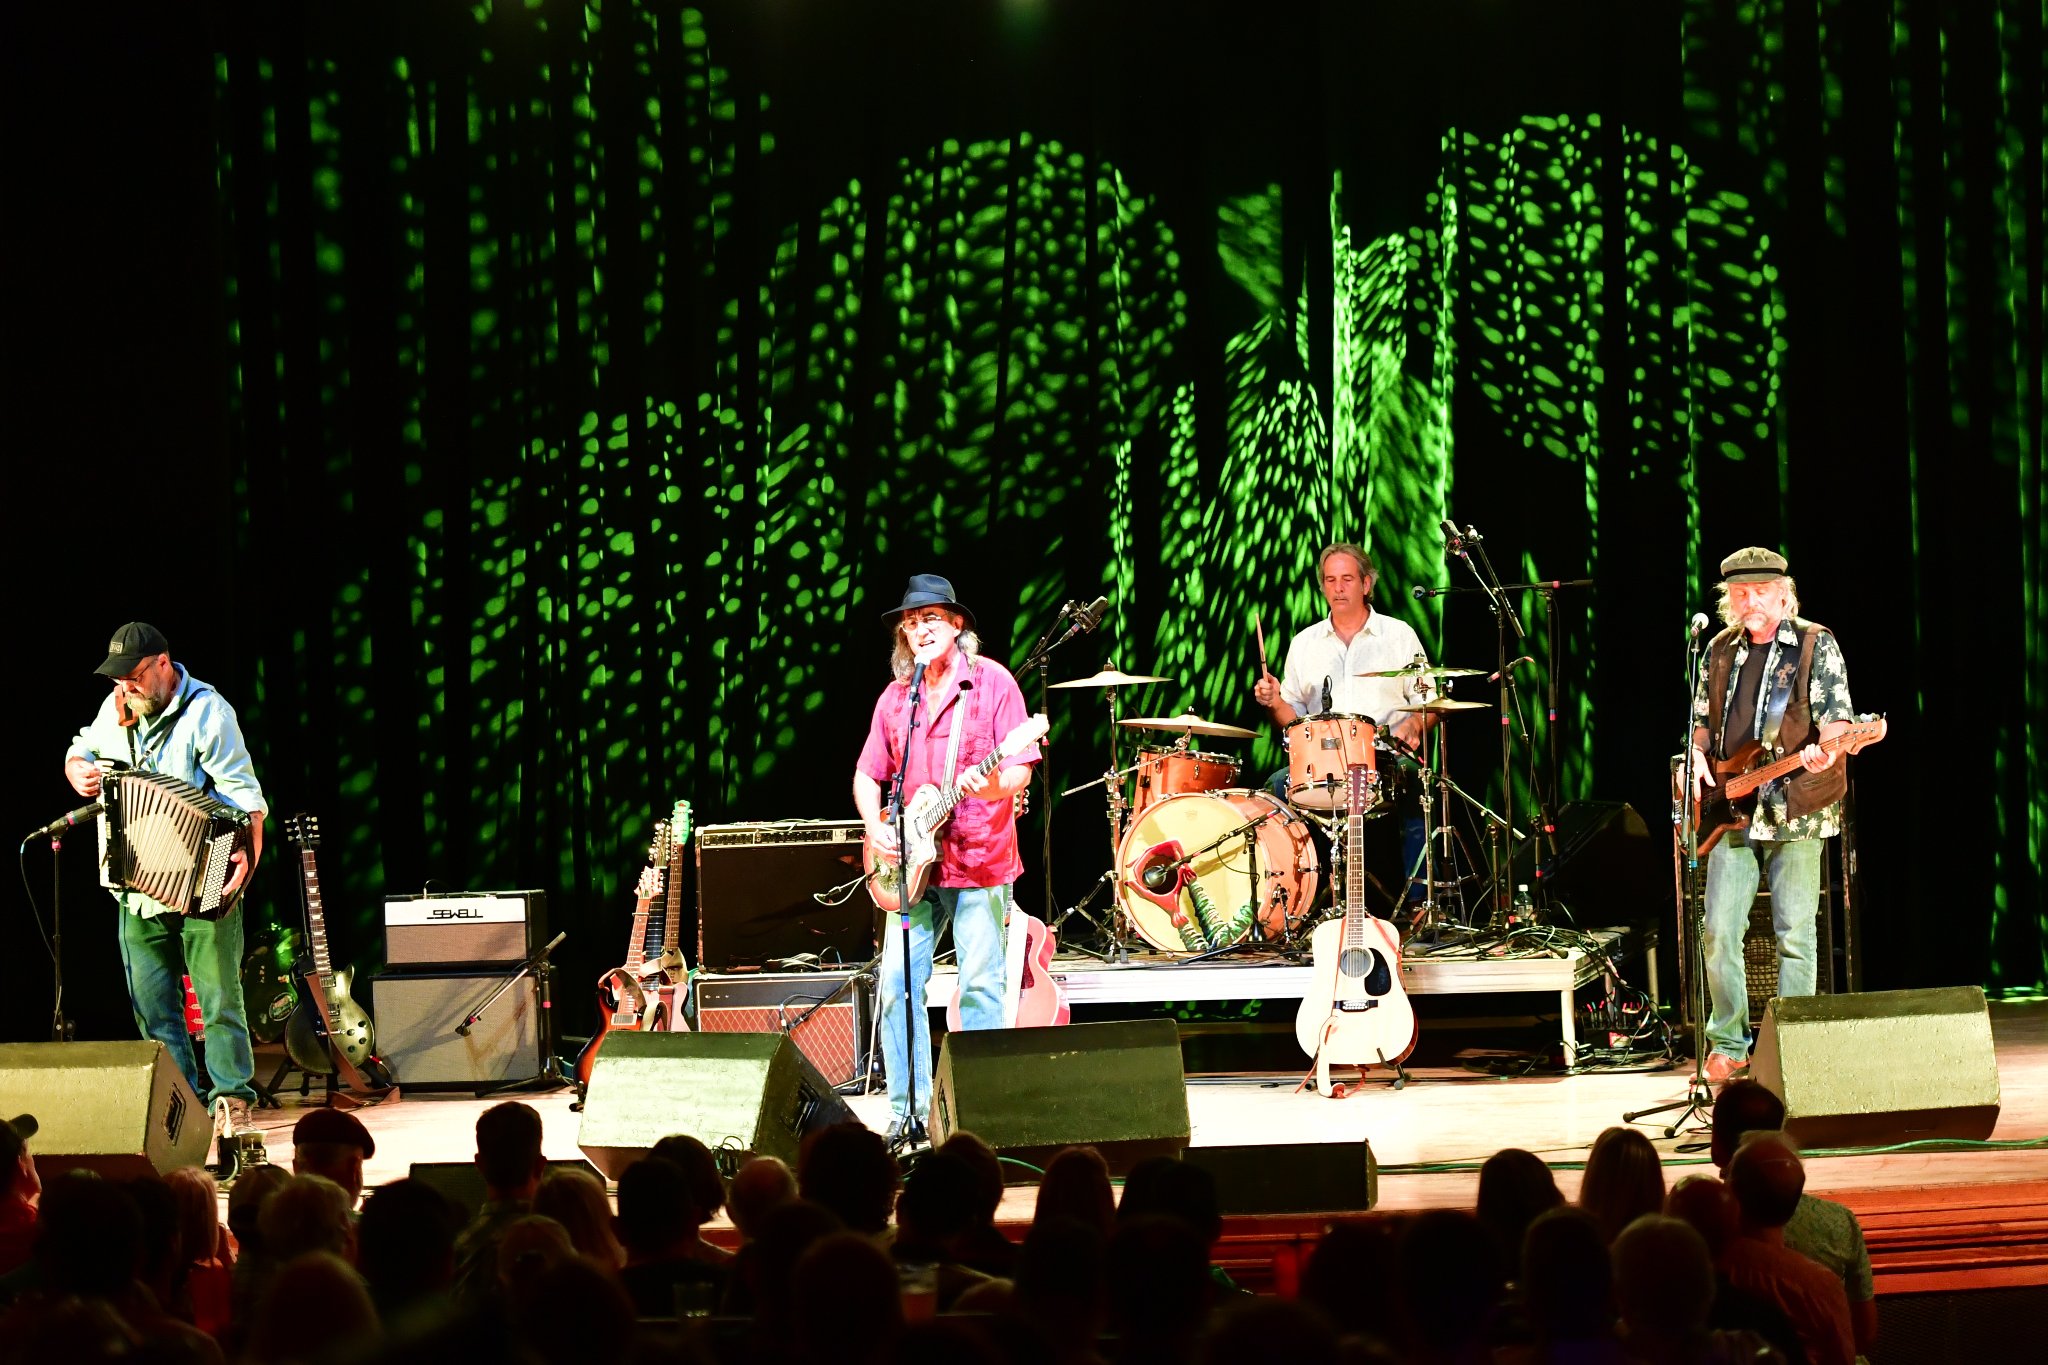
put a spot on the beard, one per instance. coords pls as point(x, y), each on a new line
point(143, 704)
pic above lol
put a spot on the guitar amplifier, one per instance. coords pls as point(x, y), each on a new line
point(418, 1013)
point(465, 929)
point(835, 1036)
point(755, 888)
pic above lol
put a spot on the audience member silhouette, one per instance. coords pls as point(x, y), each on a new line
point(658, 1223)
point(983, 1247)
point(761, 1185)
point(508, 1140)
point(706, 1189)
point(205, 1293)
point(405, 1248)
point(934, 1216)
point(1664, 1288)
point(845, 1278)
point(1515, 1187)
point(1160, 1291)
point(574, 1197)
point(333, 1143)
point(315, 1309)
point(1766, 1177)
point(1624, 1180)
point(1352, 1277)
point(849, 1170)
point(1707, 1206)
point(308, 1213)
point(1076, 1186)
point(1449, 1287)
point(1568, 1288)
point(1061, 1287)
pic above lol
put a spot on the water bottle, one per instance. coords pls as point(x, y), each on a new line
point(1522, 913)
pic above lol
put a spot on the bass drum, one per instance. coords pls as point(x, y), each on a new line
point(1211, 901)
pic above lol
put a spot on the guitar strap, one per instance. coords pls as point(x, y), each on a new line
point(1786, 674)
point(959, 727)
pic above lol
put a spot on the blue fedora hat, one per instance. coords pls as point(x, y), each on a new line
point(928, 590)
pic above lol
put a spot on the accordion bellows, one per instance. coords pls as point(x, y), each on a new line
point(169, 840)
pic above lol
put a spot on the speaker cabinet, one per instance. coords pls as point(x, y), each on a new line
point(122, 1109)
point(1880, 1066)
point(752, 1094)
point(1029, 1092)
point(1302, 1177)
point(832, 1006)
point(754, 894)
point(417, 1015)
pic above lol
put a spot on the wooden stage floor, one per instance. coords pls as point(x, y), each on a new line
point(1935, 1220)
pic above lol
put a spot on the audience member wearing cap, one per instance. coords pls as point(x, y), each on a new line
point(20, 1187)
point(334, 1144)
point(1778, 680)
point(976, 702)
point(180, 727)
point(508, 1138)
point(1767, 1177)
point(1819, 1229)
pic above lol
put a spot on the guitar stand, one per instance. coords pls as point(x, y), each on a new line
point(1317, 1077)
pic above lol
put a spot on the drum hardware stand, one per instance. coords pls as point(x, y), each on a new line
point(1699, 1094)
point(1079, 619)
point(1465, 545)
point(1118, 950)
point(553, 1075)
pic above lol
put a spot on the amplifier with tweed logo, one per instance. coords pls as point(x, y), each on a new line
point(836, 1036)
point(465, 929)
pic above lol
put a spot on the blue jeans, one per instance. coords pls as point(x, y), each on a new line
point(154, 954)
point(1733, 870)
point(976, 914)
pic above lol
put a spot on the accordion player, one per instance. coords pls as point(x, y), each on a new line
point(170, 841)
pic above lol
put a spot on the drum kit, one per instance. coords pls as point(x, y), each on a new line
point(1253, 871)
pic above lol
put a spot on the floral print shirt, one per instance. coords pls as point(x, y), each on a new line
point(1827, 696)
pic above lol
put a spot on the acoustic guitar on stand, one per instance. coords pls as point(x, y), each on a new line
point(1032, 996)
point(643, 994)
point(1731, 801)
point(1355, 1012)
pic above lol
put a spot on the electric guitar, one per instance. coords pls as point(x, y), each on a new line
point(329, 1033)
point(1032, 996)
point(639, 996)
point(1355, 1012)
point(894, 882)
point(1731, 801)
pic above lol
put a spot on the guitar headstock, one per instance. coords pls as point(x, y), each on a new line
point(1362, 780)
point(302, 830)
point(679, 824)
point(656, 871)
point(1864, 730)
point(1024, 736)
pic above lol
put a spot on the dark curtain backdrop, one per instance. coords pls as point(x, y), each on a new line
point(523, 411)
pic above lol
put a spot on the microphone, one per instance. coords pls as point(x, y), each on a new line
point(1513, 664)
point(1699, 623)
point(66, 821)
point(1159, 876)
point(1418, 592)
point(1329, 696)
point(1454, 539)
point(1084, 620)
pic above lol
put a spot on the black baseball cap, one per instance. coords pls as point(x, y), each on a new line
point(132, 643)
point(14, 1135)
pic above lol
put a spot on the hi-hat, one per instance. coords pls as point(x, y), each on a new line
point(1192, 724)
point(1110, 677)
point(1412, 672)
point(1446, 704)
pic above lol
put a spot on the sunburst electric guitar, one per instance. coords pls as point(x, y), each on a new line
point(329, 1033)
point(1355, 1012)
point(643, 994)
point(894, 882)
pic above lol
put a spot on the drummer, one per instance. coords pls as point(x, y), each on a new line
point(1323, 664)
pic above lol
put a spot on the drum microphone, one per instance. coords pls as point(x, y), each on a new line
point(1159, 876)
point(1454, 539)
point(1512, 666)
point(67, 821)
point(1329, 696)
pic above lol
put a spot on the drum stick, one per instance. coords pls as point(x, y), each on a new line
point(1259, 627)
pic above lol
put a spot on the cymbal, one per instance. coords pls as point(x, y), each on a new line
point(1192, 724)
point(1424, 673)
point(1109, 677)
point(1446, 704)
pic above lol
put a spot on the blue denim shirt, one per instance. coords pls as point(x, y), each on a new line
point(195, 738)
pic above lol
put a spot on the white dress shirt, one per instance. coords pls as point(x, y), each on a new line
point(1317, 653)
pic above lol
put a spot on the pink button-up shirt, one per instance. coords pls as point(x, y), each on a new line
point(978, 846)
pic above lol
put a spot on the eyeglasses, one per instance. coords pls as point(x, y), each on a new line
point(928, 618)
point(133, 682)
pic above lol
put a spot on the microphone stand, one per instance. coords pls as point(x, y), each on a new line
point(1503, 617)
point(1699, 1096)
point(60, 1027)
point(553, 1076)
point(1039, 660)
point(913, 1122)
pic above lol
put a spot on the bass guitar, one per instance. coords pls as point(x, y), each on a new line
point(641, 994)
point(1355, 1012)
point(1731, 801)
point(328, 1033)
point(1032, 995)
point(894, 882)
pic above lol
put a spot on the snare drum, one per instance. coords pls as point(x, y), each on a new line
point(1400, 786)
point(1171, 771)
point(1211, 901)
point(1320, 751)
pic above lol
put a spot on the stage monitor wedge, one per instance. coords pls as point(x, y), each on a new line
point(740, 1094)
point(122, 1109)
point(1879, 1067)
point(1029, 1092)
point(1282, 1177)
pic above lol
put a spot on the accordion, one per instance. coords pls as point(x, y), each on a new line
point(170, 841)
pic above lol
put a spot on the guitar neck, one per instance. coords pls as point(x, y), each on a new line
point(672, 917)
point(944, 809)
point(1354, 852)
point(636, 947)
point(316, 919)
point(1742, 784)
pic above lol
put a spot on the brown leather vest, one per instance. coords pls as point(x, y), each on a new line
point(1805, 792)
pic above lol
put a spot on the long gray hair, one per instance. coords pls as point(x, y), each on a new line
point(903, 659)
point(1729, 616)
